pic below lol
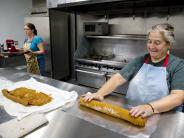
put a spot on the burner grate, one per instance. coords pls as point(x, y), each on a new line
point(99, 57)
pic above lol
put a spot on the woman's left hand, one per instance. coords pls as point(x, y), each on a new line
point(141, 110)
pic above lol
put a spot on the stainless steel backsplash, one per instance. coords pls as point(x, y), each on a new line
point(127, 25)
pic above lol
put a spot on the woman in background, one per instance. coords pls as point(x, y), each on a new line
point(34, 50)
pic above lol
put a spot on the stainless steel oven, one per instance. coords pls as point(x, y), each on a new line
point(94, 71)
point(103, 49)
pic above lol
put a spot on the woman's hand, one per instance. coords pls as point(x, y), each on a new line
point(27, 52)
point(90, 96)
point(141, 110)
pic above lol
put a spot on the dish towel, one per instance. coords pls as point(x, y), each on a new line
point(59, 98)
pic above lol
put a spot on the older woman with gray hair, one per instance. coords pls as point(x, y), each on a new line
point(156, 80)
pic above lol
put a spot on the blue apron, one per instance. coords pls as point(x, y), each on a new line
point(149, 84)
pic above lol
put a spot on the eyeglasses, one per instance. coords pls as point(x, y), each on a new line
point(27, 29)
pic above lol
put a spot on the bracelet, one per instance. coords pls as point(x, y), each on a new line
point(151, 107)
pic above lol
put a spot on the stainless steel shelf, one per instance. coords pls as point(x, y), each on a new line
point(124, 36)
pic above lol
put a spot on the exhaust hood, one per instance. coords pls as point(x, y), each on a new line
point(106, 5)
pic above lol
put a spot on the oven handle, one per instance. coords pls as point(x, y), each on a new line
point(94, 73)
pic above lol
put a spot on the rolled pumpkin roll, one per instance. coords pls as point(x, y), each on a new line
point(114, 111)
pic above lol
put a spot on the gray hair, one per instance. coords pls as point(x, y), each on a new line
point(167, 30)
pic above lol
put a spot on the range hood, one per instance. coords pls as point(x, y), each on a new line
point(84, 2)
point(105, 5)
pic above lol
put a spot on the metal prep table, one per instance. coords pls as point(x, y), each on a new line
point(80, 122)
point(12, 59)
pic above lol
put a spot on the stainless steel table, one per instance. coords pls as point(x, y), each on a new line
point(12, 59)
point(74, 121)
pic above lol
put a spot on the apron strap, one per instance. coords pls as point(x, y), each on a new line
point(147, 59)
point(166, 60)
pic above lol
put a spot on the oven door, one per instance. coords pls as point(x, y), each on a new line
point(122, 89)
point(91, 78)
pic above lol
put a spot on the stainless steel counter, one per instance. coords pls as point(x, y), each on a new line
point(11, 59)
point(80, 122)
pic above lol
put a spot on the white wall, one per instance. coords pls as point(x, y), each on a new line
point(12, 13)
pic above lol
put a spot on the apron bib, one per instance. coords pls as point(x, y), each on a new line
point(31, 60)
point(149, 84)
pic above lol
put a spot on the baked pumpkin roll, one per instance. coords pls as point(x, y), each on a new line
point(113, 110)
point(27, 96)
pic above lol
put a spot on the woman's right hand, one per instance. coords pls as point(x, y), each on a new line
point(90, 96)
point(27, 52)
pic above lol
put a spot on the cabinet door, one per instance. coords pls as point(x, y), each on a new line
point(59, 44)
point(90, 78)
